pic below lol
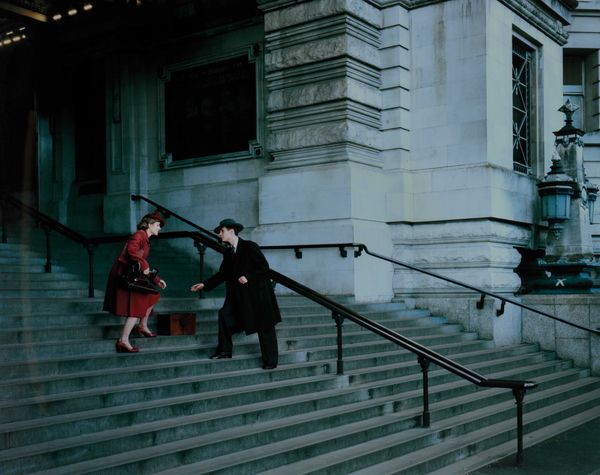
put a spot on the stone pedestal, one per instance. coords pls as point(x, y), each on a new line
point(567, 264)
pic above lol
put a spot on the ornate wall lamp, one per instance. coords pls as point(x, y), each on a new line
point(556, 190)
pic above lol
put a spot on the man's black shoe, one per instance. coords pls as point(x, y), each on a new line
point(219, 356)
point(269, 366)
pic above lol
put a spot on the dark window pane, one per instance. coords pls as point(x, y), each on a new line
point(521, 72)
point(90, 127)
point(211, 109)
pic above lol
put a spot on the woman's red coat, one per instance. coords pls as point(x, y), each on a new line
point(116, 299)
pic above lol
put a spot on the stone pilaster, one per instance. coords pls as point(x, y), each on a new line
point(325, 182)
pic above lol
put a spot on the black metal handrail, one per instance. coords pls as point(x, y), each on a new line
point(425, 356)
point(359, 248)
point(479, 290)
point(167, 212)
point(43, 219)
point(298, 248)
point(49, 224)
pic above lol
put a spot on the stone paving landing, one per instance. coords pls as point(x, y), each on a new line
point(575, 452)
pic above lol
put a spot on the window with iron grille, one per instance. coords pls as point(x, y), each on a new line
point(522, 57)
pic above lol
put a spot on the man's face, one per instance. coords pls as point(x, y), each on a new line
point(227, 235)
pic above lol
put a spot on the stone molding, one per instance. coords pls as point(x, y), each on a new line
point(327, 112)
point(281, 14)
point(333, 69)
point(326, 154)
point(322, 40)
point(323, 80)
point(541, 19)
point(323, 28)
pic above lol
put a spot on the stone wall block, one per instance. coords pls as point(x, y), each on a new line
point(539, 329)
point(319, 41)
point(323, 134)
point(314, 10)
point(325, 91)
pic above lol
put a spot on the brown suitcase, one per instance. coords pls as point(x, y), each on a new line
point(176, 323)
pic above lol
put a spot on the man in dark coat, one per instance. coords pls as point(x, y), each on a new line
point(250, 303)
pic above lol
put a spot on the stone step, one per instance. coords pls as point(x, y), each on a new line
point(31, 268)
point(18, 279)
point(290, 440)
point(33, 420)
point(486, 457)
point(537, 416)
point(59, 383)
point(333, 398)
point(31, 305)
point(191, 352)
point(206, 320)
point(61, 291)
point(15, 286)
point(38, 350)
point(24, 259)
point(70, 404)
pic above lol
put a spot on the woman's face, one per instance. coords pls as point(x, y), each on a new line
point(154, 228)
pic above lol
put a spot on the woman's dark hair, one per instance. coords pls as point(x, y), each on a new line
point(146, 222)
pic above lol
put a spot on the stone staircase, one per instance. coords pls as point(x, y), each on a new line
point(69, 404)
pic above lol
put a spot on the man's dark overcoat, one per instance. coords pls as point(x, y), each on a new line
point(255, 304)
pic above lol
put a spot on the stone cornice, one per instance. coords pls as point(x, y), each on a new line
point(270, 5)
point(325, 155)
point(548, 16)
point(541, 19)
point(323, 28)
point(311, 73)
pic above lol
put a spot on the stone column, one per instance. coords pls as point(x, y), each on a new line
point(325, 183)
point(129, 142)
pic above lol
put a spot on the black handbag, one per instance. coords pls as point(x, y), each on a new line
point(132, 280)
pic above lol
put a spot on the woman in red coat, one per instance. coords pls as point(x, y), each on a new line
point(135, 306)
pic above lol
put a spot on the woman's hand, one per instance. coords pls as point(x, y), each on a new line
point(197, 287)
point(146, 271)
point(162, 284)
point(242, 280)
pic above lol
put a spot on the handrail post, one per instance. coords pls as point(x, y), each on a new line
point(90, 250)
point(48, 266)
point(519, 394)
point(201, 251)
point(424, 363)
point(4, 222)
point(339, 321)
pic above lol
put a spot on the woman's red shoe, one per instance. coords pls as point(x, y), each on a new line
point(146, 333)
point(123, 348)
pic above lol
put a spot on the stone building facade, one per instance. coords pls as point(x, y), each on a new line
point(417, 127)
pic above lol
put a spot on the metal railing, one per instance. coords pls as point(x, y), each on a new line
point(48, 224)
point(425, 356)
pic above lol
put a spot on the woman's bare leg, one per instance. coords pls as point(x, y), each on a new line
point(144, 320)
point(129, 324)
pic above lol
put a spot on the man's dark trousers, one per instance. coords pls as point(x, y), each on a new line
point(266, 338)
